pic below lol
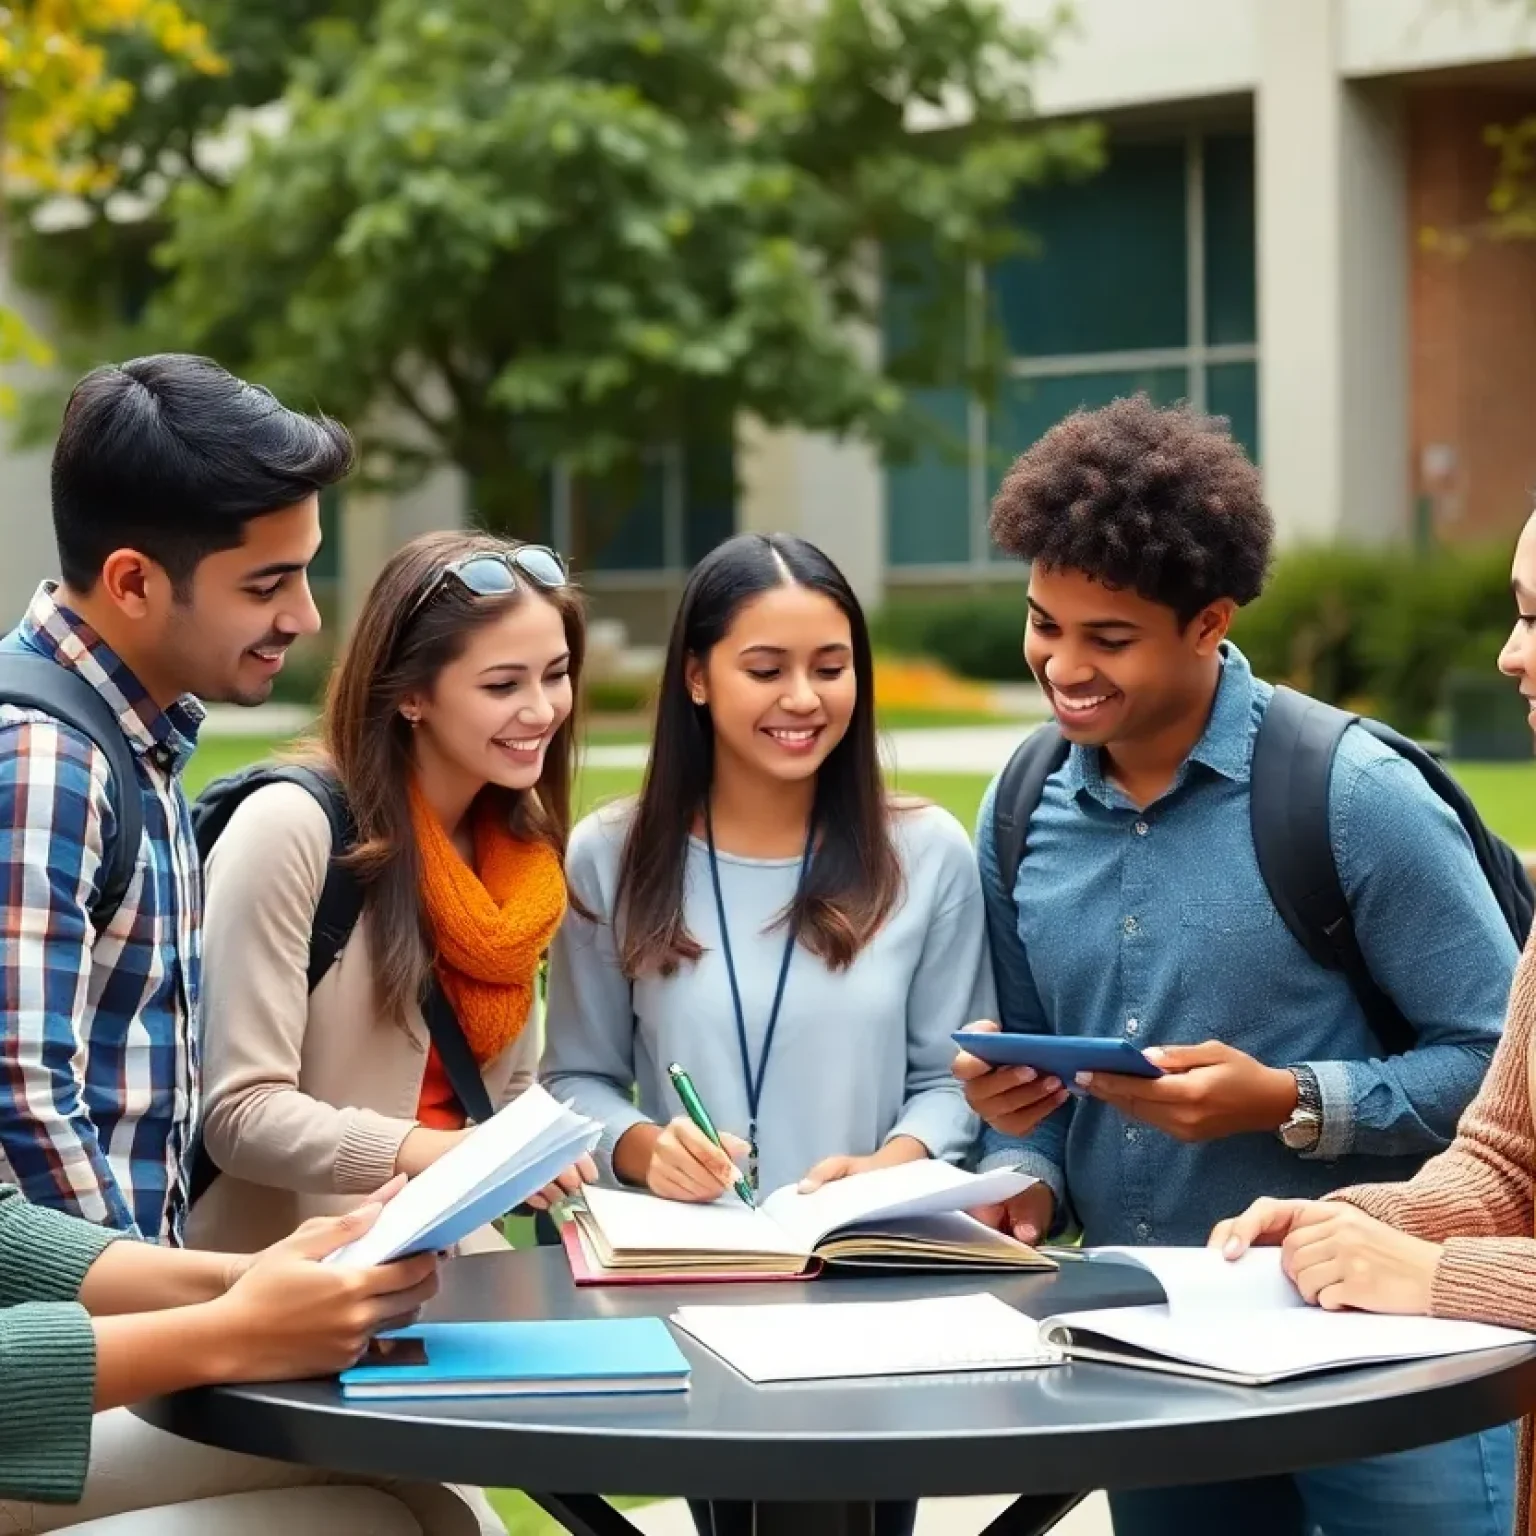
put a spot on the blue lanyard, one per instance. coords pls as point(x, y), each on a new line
point(754, 1084)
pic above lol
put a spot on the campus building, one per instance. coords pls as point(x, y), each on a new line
point(1290, 230)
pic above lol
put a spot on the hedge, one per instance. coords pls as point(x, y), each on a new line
point(1382, 630)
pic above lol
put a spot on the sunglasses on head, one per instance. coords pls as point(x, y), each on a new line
point(494, 573)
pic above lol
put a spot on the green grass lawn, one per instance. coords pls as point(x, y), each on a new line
point(1505, 792)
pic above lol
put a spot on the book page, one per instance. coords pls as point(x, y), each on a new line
point(633, 1221)
point(516, 1152)
point(923, 1188)
point(1277, 1344)
point(825, 1340)
point(1200, 1281)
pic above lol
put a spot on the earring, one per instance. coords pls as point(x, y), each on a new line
point(413, 721)
point(698, 698)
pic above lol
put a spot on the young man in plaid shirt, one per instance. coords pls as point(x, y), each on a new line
point(186, 511)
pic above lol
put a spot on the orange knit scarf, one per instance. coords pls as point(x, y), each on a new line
point(491, 923)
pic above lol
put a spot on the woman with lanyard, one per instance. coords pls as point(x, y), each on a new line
point(766, 915)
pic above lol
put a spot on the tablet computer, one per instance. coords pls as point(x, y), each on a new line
point(1062, 1056)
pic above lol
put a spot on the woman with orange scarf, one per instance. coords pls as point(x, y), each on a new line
point(448, 730)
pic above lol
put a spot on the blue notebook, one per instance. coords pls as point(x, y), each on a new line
point(521, 1359)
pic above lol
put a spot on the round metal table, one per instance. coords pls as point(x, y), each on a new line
point(815, 1457)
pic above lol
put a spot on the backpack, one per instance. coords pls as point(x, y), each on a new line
point(1291, 774)
point(336, 914)
point(31, 681)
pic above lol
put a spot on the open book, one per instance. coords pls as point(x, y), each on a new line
point(497, 1166)
point(1245, 1322)
point(908, 1217)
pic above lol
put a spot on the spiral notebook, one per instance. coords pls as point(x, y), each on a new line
point(824, 1341)
point(1244, 1322)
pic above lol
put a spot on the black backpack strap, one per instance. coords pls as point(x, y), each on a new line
point(34, 682)
point(457, 1058)
point(341, 897)
point(1019, 788)
point(1507, 879)
point(1291, 775)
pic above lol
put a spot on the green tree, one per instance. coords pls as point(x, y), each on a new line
point(504, 237)
point(59, 94)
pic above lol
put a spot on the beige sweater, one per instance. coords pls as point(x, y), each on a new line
point(306, 1098)
point(1478, 1197)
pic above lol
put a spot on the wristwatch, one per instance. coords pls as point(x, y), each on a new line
point(1303, 1130)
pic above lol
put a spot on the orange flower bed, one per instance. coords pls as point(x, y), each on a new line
point(914, 684)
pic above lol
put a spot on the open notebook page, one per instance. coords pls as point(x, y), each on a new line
point(635, 1222)
point(1198, 1281)
point(1273, 1345)
point(923, 1188)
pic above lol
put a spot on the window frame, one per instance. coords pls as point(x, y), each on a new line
point(1195, 357)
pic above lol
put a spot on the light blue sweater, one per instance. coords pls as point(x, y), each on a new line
point(859, 1055)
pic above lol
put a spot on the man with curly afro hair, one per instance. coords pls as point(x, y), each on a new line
point(1139, 915)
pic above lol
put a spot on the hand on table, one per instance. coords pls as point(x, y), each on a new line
point(1026, 1217)
point(1337, 1256)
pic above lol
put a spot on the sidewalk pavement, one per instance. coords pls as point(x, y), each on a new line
point(935, 1517)
point(981, 749)
point(935, 749)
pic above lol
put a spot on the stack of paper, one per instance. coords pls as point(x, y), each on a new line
point(823, 1341)
point(496, 1167)
point(1245, 1322)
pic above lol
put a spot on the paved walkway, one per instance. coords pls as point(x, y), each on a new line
point(935, 1517)
point(947, 749)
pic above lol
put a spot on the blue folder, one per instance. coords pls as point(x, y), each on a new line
point(524, 1359)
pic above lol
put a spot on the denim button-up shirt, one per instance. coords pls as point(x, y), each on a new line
point(1154, 926)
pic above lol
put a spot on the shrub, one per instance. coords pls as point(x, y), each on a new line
point(1381, 630)
point(976, 634)
point(618, 695)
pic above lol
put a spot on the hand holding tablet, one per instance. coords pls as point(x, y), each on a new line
point(1060, 1056)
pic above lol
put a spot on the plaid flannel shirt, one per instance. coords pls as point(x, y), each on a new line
point(98, 1049)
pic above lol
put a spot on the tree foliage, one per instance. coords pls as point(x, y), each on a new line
point(504, 237)
point(60, 96)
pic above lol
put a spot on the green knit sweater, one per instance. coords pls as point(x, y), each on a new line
point(47, 1351)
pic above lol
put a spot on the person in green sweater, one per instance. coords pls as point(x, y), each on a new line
point(91, 1321)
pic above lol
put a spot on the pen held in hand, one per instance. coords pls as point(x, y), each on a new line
point(694, 1106)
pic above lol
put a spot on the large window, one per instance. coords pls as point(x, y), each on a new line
point(1143, 279)
point(647, 523)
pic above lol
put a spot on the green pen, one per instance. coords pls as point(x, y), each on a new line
point(700, 1117)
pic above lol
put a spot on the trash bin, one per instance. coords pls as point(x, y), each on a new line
point(1486, 719)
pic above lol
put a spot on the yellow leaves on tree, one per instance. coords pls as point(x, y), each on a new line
point(55, 84)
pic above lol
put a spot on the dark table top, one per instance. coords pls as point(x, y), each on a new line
point(1053, 1430)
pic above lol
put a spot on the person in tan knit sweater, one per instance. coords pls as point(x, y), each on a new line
point(1459, 1239)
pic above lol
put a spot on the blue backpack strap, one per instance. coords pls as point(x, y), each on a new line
point(1019, 788)
point(1292, 774)
point(30, 681)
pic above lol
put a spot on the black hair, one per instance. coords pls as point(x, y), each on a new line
point(1161, 501)
point(172, 456)
point(855, 877)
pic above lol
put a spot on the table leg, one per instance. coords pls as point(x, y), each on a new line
point(587, 1514)
point(1031, 1515)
